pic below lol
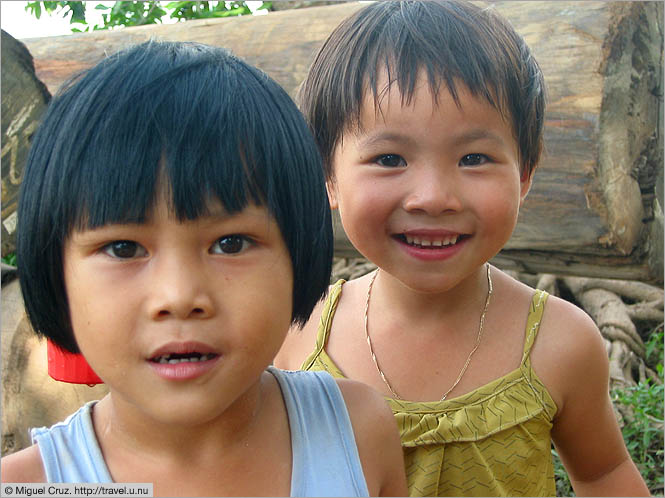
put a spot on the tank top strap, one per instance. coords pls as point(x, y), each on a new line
point(534, 317)
point(325, 458)
point(327, 314)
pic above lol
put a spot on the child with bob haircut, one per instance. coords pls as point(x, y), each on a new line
point(174, 224)
point(429, 117)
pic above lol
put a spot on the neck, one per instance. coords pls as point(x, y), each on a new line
point(123, 429)
point(413, 306)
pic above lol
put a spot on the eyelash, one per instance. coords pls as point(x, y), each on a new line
point(111, 249)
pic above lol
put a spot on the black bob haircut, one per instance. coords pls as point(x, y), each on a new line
point(212, 125)
point(452, 42)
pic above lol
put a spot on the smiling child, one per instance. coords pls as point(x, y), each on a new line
point(429, 116)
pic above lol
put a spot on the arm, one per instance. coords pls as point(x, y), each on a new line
point(585, 431)
point(377, 437)
point(23, 466)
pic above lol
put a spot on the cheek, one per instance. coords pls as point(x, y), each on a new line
point(263, 327)
point(97, 325)
point(501, 214)
point(100, 314)
point(266, 312)
point(366, 197)
point(81, 305)
point(363, 214)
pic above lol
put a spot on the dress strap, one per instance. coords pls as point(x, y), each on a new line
point(533, 323)
point(323, 332)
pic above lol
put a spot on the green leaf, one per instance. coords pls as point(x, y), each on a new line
point(137, 13)
point(10, 259)
point(35, 8)
point(78, 12)
point(176, 5)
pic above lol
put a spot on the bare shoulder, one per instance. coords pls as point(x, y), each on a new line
point(299, 342)
point(569, 347)
point(377, 438)
point(23, 466)
point(569, 331)
point(365, 405)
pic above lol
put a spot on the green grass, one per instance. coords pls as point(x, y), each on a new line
point(644, 434)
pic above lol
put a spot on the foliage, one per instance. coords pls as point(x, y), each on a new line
point(76, 9)
point(136, 13)
point(644, 433)
point(654, 349)
point(563, 486)
point(9, 259)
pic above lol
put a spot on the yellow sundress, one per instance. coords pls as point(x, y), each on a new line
point(493, 441)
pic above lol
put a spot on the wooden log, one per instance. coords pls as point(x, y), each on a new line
point(24, 100)
point(593, 209)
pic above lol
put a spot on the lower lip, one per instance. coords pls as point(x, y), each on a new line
point(432, 253)
point(186, 370)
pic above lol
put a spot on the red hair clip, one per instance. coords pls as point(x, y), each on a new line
point(69, 367)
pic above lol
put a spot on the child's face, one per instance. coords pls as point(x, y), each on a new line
point(215, 291)
point(428, 192)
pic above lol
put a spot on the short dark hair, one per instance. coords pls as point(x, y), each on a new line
point(211, 124)
point(454, 42)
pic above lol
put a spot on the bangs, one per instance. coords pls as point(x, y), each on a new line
point(137, 146)
point(419, 40)
point(451, 43)
point(183, 119)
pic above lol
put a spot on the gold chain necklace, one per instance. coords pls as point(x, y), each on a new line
point(468, 360)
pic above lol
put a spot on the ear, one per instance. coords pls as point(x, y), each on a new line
point(525, 185)
point(332, 194)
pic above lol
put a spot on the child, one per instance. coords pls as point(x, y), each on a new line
point(429, 117)
point(174, 225)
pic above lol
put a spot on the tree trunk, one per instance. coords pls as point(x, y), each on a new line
point(24, 99)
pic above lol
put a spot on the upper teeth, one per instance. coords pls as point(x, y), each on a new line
point(438, 242)
point(168, 359)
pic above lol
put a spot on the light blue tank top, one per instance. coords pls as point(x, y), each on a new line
point(325, 455)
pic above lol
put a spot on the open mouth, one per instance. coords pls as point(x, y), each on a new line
point(174, 358)
point(429, 242)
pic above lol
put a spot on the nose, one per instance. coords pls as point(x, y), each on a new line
point(180, 291)
point(433, 191)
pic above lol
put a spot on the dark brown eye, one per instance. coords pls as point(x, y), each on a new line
point(474, 160)
point(124, 249)
point(390, 161)
point(229, 244)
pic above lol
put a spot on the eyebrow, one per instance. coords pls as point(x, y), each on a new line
point(469, 136)
point(385, 137)
point(479, 134)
